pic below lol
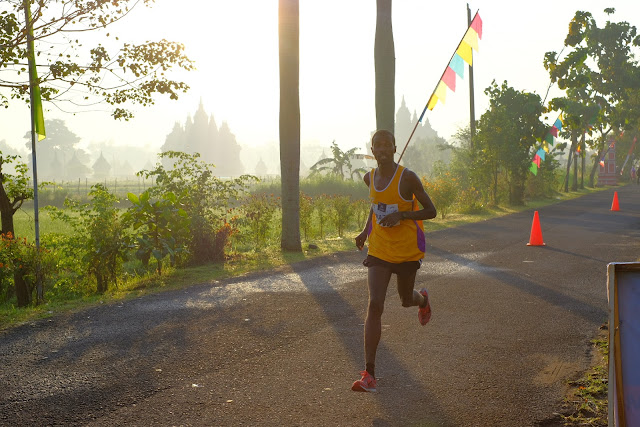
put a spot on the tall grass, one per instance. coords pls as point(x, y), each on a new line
point(319, 185)
point(24, 224)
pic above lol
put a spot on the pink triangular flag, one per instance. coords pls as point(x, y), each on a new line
point(476, 24)
point(449, 78)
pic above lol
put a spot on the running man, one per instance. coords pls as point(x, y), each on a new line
point(396, 244)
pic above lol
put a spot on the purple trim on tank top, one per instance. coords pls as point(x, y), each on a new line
point(422, 243)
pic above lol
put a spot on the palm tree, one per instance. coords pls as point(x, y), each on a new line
point(385, 67)
point(336, 165)
point(289, 56)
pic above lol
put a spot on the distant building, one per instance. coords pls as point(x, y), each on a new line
point(261, 168)
point(76, 169)
point(607, 172)
point(101, 168)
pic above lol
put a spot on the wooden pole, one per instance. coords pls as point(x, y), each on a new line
point(472, 108)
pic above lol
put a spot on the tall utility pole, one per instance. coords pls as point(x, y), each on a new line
point(32, 82)
point(472, 108)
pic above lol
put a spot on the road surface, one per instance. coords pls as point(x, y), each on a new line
point(511, 324)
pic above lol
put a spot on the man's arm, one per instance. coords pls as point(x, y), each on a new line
point(428, 210)
point(362, 237)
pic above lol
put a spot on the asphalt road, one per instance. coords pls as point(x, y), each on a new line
point(511, 324)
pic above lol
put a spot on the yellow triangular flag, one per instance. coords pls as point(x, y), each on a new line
point(464, 50)
point(432, 102)
point(441, 91)
point(471, 38)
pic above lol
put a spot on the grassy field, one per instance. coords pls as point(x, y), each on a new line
point(24, 224)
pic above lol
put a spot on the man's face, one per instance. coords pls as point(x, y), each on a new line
point(383, 148)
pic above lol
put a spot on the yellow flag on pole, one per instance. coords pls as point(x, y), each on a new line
point(36, 98)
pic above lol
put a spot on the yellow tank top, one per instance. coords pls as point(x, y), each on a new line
point(402, 242)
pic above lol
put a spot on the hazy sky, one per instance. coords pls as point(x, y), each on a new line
point(235, 47)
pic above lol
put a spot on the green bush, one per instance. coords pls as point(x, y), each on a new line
point(470, 201)
point(306, 214)
point(99, 234)
point(361, 209)
point(322, 205)
point(21, 259)
point(443, 191)
point(259, 212)
point(341, 212)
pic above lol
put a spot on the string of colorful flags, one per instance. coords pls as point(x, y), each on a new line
point(463, 54)
point(549, 140)
point(633, 145)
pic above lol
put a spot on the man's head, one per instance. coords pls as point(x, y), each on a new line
point(383, 133)
point(383, 146)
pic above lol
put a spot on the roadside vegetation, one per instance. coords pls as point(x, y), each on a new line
point(192, 227)
point(586, 403)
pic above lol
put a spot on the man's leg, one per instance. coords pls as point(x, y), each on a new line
point(378, 281)
point(409, 296)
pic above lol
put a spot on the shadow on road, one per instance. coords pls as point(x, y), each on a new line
point(339, 313)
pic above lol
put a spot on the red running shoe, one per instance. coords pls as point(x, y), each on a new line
point(366, 383)
point(424, 313)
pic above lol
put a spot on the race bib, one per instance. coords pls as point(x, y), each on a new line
point(382, 209)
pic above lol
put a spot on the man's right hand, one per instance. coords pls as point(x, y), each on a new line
point(360, 239)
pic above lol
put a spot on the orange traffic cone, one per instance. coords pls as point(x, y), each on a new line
point(614, 205)
point(536, 233)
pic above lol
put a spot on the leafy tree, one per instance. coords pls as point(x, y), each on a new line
point(14, 190)
point(385, 67)
point(289, 57)
point(600, 69)
point(73, 73)
point(203, 196)
point(99, 233)
point(159, 223)
point(507, 132)
point(339, 165)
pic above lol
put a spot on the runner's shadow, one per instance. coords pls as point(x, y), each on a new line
point(342, 317)
point(587, 311)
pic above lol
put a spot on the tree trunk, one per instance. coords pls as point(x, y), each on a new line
point(289, 56)
point(7, 211)
point(566, 176)
point(572, 150)
point(101, 283)
point(574, 142)
point(582, 157)
point(385, 68)
point(594, 168)
point(516, 190)
point(495, 187)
